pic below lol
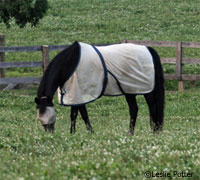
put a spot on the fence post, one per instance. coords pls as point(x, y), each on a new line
point(124, 41)
point(2, 55)
point(179, 66)
point(45, 56)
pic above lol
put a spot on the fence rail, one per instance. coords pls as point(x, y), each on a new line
point(20, 80)
point(179, 60)
point(24, 80)
point(31, 48)
point(164, 43)
point(4, 65)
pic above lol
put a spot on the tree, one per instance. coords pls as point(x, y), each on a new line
point(22, 11)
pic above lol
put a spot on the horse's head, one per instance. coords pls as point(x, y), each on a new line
point(46, 113)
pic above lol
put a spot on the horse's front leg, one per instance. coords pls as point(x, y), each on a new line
point(85, 117)
point(133, 110)
point(74, 113)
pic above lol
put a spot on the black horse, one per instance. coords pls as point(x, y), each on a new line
point(61, 69)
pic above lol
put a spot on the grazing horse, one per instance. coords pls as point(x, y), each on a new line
point(83, 73)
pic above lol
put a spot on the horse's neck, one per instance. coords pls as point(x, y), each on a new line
point(59, 71)
point(47, 87)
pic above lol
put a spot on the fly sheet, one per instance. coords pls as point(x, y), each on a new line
point(108, 70)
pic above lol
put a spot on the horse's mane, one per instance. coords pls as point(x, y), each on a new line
point(58, 71)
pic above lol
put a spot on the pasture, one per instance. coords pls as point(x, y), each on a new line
point(27, 152)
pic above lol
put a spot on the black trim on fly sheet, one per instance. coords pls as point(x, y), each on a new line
point(118, 83)
point(105, 70)
point(104, 81)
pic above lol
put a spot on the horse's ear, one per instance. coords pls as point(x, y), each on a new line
point(75, 43)
point(37, 101)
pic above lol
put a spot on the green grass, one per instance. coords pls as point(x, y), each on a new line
point(27, 152)
point(109, 21)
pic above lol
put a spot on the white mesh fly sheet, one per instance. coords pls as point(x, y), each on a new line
point(129, 69)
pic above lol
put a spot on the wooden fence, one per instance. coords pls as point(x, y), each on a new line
point(24, 80)
point(179, 60)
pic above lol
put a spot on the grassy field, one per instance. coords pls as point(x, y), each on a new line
point(27, 152)
point(109, 21)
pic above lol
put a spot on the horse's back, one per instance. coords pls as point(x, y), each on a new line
point(132, 65)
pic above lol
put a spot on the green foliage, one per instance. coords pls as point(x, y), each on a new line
point(23, 11)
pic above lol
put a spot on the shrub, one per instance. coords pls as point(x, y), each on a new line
point(22, 11)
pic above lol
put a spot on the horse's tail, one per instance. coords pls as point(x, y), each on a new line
point(159, 90)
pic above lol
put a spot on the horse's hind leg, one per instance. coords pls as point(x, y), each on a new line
point(74, 113)
point(156, 111)
point(133, 110)
point(85, 117)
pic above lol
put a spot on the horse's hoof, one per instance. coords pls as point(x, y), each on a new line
point(130, 133)
point(91, 131)
point(72, 132)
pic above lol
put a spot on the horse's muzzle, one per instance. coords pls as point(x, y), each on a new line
point(49, 127)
